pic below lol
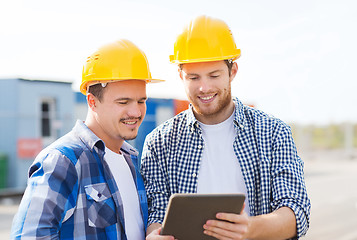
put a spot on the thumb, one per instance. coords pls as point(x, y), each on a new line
point(241, 212)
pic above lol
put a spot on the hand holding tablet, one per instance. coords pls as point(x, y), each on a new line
point(187, 213)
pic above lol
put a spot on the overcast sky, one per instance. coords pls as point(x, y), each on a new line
point(298, 57)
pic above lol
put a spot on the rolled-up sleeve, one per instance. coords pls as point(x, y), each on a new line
point(155, 180)
point(288, 184)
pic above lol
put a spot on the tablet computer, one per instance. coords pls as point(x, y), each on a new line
point(187, 213)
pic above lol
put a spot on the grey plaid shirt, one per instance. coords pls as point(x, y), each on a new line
point(272, 170)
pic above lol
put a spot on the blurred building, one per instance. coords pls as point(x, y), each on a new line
point(34, 113)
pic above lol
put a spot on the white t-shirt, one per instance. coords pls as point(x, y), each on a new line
point(220, 171)
point(134, 226)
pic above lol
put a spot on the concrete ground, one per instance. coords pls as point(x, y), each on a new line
point(332, 188)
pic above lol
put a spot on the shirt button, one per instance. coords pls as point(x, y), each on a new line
point(194, 174)
point(199, 146)
point(192, 129)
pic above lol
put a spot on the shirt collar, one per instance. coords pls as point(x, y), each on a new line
point(126, 147)
point(192, 122)
point(87, 136)
point(91, 140)
point(239, 116)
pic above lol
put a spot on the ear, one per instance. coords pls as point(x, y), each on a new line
point(92, 101)
point(180, 73)
point(234, 70)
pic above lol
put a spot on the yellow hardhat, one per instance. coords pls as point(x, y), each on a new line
point(121, 60)
point(205, 39)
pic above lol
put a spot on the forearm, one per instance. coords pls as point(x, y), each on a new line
point(280, 224)
point(156, 189)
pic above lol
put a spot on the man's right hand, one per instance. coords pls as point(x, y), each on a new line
point(153, 233)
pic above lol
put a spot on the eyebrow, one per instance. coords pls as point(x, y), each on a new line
point(216, 71)
point(196, 74)
point(191, 74)
point(128, 99)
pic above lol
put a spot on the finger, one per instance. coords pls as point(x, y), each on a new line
point(222, 234)
point(242, 211)
point(215, 235)
point(226, 229)
point(156, 235)
point(232, 217)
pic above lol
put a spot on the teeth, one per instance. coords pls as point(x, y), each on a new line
point(130, 123)
point(207, 98)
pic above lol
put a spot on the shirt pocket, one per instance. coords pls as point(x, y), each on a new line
point(100, 206)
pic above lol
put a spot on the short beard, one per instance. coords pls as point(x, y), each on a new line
point(130, 118)
point(222, 104)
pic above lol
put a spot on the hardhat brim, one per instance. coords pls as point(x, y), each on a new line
point(84, 86)
point(211, 59)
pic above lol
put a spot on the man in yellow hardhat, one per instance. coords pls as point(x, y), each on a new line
point(220, 145)
point(87, 184)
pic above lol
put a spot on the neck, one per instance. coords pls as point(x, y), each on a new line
point(217, 117)
point(113, 144)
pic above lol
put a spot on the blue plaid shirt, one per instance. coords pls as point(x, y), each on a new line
point(272, 170)
point(71, 192)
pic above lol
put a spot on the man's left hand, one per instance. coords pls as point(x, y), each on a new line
point(228, 226)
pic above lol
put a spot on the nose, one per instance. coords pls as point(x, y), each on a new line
point(135, 110)
point(204, 86)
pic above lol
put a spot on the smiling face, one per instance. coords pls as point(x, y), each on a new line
point(118, 115)
point(208, 88)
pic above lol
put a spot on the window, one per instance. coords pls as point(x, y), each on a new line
point(45, 119)
point(47, 115)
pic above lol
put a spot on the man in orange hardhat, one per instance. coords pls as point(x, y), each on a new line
point(87, 185)
point(220, 145)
